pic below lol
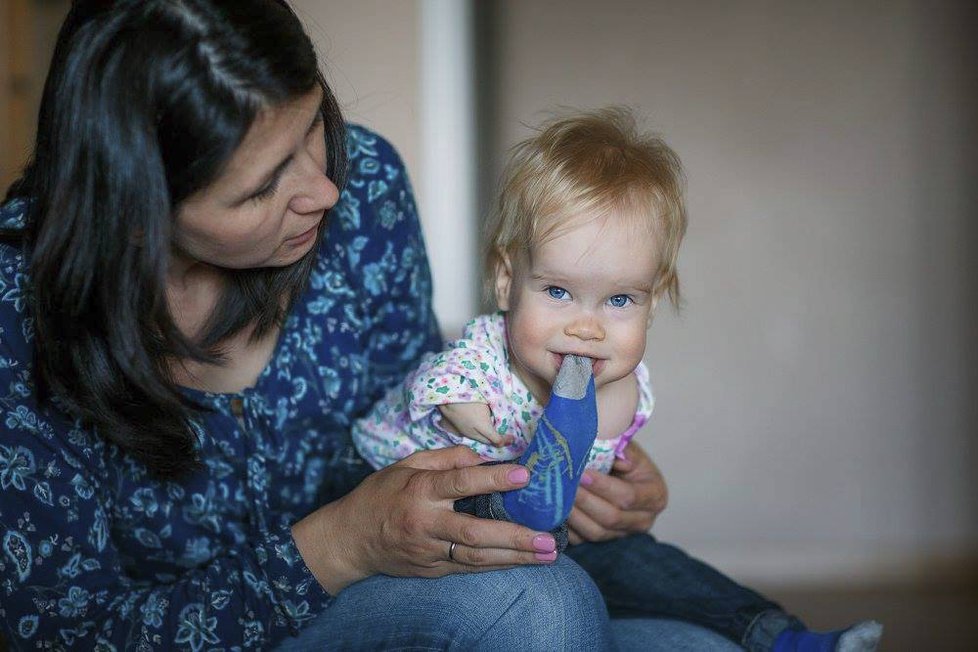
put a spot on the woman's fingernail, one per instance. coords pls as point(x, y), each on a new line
point(547, 556)
point(520, 475)
point(544, 543)
point(587, 480)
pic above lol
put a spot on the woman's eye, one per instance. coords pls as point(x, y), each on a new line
point(620, 300)
point(318, 125)
point(556, 292)
point(267, 191)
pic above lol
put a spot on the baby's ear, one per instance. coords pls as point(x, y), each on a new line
point(504, 280)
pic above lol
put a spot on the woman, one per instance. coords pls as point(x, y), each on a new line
point(192, 314)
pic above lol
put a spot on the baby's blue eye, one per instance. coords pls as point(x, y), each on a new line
point(556, 292)
point(619, 300)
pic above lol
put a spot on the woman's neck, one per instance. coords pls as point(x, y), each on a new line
point(193, 291)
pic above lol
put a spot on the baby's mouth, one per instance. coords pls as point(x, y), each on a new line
point(597, 364)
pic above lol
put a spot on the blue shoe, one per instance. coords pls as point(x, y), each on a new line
point(861, 637)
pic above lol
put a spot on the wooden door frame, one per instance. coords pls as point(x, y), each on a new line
point(18, 128)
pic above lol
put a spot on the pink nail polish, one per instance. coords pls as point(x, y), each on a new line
point(520, 475)
point(547, 556)
point(587, 480)
point(544, 543)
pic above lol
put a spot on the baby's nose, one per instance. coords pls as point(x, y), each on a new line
point(585, 328)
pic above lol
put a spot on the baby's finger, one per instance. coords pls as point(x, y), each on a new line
point(496, 439)
point(479, 437)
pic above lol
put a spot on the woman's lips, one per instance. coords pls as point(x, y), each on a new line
point(302, 238)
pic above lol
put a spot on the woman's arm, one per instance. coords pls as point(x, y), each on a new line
point(65, 580)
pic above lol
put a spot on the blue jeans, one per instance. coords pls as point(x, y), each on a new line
point(641, 577)
point(665, 635)
point(554, 607)
point(533, 607)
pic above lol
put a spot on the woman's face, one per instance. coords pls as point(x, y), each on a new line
point(265, 208)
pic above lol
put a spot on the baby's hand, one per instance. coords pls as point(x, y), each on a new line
point(473, 420)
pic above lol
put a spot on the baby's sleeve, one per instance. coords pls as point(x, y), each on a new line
point(465, 373)
point(462, 374)
point(407, 420)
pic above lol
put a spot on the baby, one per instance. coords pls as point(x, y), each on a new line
point(583, 245)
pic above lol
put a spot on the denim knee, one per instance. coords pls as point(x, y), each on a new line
point(554, 607)
point(557, 607)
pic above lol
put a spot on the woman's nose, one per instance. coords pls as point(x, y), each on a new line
point(318, 192)
point(585, 327)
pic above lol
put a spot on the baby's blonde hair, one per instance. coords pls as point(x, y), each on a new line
point(590, 163)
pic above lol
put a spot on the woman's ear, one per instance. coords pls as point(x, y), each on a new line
point(504, 280)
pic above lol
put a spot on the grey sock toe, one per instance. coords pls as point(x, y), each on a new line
point(571, 381)
point(861, 637)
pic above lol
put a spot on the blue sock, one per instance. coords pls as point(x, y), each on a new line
point(558, 453)
point(861, 637)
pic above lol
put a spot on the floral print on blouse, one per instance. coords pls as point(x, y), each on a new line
point(94, 554)
point(473, 369)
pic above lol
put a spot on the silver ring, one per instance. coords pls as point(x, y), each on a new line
point(451, 551)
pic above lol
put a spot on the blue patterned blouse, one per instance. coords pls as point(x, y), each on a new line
point(96, 555)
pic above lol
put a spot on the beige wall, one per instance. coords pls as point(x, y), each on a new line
point(816, 398)
point(372, 51)
point(816, 417)
point(369, 50)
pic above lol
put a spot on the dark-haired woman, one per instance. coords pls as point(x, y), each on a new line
point(191, 314)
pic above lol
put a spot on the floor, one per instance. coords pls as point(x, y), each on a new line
point(930, 619)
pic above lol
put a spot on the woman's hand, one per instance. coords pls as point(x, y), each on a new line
point(400, 521)
point(624, 502)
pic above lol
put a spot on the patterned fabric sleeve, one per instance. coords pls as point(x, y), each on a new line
point(407, 419)
point(391, 259)
point(466, 374)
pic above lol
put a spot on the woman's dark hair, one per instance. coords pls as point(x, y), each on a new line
point(145, 102)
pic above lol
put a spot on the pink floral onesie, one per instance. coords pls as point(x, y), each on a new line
point(474, 368)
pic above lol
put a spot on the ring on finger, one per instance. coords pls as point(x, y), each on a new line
point(451, 551)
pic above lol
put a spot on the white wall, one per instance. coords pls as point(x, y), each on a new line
point(816, 416)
